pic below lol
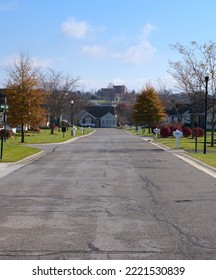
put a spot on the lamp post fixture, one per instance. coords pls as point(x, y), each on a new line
point(72, 116)
point(206, 103)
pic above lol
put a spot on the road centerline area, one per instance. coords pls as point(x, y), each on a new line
point(108, 196)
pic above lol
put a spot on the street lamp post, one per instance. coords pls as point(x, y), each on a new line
point(5, 118)
point(72, 116)
point(3, 134)
point(206, 103)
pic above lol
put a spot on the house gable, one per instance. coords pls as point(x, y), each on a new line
point(108, 120)
point(108, 116)
point(102, 116)
point(86, 119)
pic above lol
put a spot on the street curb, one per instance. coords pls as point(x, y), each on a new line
point(74, 139)
point(182, 154)
point(8, 167)
point(30, 158)
point(198, 164)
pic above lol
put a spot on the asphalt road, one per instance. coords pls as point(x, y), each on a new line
point(108, 196)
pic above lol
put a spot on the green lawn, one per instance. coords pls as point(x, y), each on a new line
point(13, 150)
point(188, 144)
point(141, 132)
point(46, 137)
point(209, 159)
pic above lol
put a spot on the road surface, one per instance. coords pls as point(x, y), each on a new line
point(108, 196)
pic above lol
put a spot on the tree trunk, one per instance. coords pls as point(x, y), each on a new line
point(52, 124)
point(22, 134)
point(52, 128)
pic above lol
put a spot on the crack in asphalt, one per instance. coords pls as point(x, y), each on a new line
point(149, 187)
point(92, 247)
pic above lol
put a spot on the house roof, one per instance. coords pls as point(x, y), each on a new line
point(179, 109)
point(99, 111)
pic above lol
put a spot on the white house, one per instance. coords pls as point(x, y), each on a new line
point(98, 116)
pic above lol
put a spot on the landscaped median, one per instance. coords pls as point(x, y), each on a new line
point(186, 143)
point(13, 150)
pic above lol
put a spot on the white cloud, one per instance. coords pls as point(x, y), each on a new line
point(6, 62)
point(147, 30)
point(75, 29)
point(38, 62)
point(136, 50)
point(97, 51)
point(131, 50)
point(140, 52)
point(136, 54)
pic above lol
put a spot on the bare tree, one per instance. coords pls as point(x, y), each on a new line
point(60, 90)
point(189, 74)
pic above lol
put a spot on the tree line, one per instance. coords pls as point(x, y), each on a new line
point(32, 96)
point(189, 74)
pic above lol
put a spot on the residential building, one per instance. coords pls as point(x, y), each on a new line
point(98, 116)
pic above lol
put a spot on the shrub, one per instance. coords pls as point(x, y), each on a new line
point(198, 132)
point(187, 131)
point(165, 131)
point(175, 127)
point(9, 133)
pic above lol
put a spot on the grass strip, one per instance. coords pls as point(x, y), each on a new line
point(13, 150)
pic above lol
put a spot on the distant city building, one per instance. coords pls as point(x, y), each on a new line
point(112, 93)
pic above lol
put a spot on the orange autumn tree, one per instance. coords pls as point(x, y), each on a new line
point(148, 108)
point(25, 99)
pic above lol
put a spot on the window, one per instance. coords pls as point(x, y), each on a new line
point(88, 120)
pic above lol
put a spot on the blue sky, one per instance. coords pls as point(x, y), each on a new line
point(103, 41)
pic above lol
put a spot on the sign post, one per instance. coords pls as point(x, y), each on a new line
point(74, 131)
point(2, 144)
point(177, 134)
point(156, 131)
point(63, 130)
point(195, 143)
point(82, 130)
